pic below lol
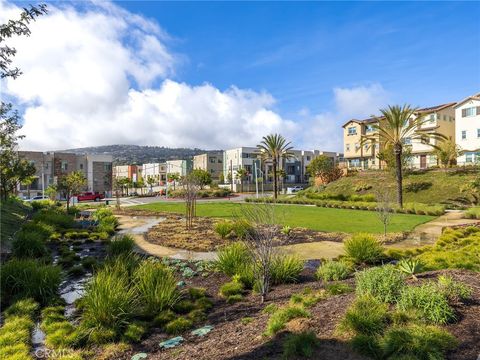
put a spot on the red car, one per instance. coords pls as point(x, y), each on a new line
point(90, 196)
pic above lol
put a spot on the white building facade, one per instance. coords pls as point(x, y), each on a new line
point(467, 132)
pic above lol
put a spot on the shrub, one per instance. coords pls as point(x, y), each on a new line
point(21, 279)
point(15, 332)
point(410, 267)
point(29, 245)
point(333, 270)
point(302, 344)
point(156, 286)
point(417, 186)
point(164, 317)
point(280, 317)
point(366, 316)
point(204, 303)
point(197, 315)
point(454, 290)
point(54, 217)
point(223, 228)
point(472, 213)
point(233, 258)
point(285, 269)
point(26, 307)
point(286, 230)
point(338, 288)
point(363, 249)
point(178, 326)
point(242, 228)
point(417, 342)
point(197, 292)
point(109, 301)
point(134, 332)
point(45, 230)
point(119, 245)
point(383, 283)
point(429, 301)
point(231, 288)
point(102, 213)
point(367, 345)
point(184, 306)
point(89, 262)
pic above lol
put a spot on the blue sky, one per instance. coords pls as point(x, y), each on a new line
point(422, 53)
point(217, 75)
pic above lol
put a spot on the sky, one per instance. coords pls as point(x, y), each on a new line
point(218, 75)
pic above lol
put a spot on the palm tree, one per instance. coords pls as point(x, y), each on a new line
point(447, 152)
point(275, 147)
point(242, 173)
point(397, 125)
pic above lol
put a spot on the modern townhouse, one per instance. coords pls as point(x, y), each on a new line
point(132, 172)
point(157, 171)
point(467, 132)
point(52, 166)
point(181, 167)
point(212, 162)
point(440, 119)
point(241, 158)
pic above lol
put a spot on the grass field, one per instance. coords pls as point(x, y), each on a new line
point(316, 218)
point(12, 214)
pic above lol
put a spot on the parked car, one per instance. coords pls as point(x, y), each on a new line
point(90, 196)
point(296, 189)
point(37, 198)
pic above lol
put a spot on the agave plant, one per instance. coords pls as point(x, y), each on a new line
point(410, 267)
point(286, 230)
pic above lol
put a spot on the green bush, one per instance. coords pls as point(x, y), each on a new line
point(22, 308)
point(410, 267)
point(454, 290)
point(338, 288)
point(178, 326)
point(363, 249)
point(417, 342)
point(29, 245)
point(333, 270)
point(429, 301)
point(134, 332)
point(54, 217)
point(232, 299)
point(285, 269)
point(383, 283)
point(22, 279)
point(223, 228)
point(231, 288)
point(280, 317)
point(184, 306)
point(197, 315)
point(120, 245)
point(366, 316)
point(164, 317)
point(102, 213)
point(302, 345)
point(45, 230)
point(242, 228)
point(109, 301)
point(417, 186)
point(156, 286)
point(204, 303)
point(197, 292)
point(473, 213)
point(233, 258)
point(368, 345)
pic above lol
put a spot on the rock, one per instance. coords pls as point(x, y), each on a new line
point(202, 331)
point(170, 343)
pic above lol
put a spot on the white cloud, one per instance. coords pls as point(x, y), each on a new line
point(100, 75)
point(324, 129)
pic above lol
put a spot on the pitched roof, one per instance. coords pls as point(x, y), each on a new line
point(365, 121)
point(436, 108)
point(472, 97)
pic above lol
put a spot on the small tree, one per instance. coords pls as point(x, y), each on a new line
point(141, 184)
point(51, 191)
point(221, 178)
point(28, 181)
point(387, 156)
point(260, 243)
point(384, 198)
point(242, 173)
point(324, 168)
point(447, 152)
point(191, 186)
point(202, 177)
point(71, 184)
point(151, 181)
point(174, 177)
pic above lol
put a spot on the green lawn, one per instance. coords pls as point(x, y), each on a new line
point(12, 214)
point(316, 218)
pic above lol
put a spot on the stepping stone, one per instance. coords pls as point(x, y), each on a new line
point(170, 343)
point(139, 356)
point(202, 331)
point(181, 283)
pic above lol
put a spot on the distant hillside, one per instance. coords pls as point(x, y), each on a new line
point(135, 154)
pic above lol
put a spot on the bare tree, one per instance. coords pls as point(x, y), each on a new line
point(191, 186)
point(384, 196)
point(260, 242)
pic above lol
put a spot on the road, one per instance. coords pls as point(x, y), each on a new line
point(133, 201)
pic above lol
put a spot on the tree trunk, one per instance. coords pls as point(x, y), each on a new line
point(399, 175)
point(275, 179)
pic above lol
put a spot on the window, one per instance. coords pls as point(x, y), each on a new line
point(471, 111)
point(81, 166)
point(432, 118)
point(347, 147)
point(357, 146)
point(107, 167)
point(408, 141)
point(478, 133)
point(219, 161)
point(368, 128)
point(64, 165)
point(352, 130)
point(469, 157)
point(444, 117)
point(308, 157)
point(366, 147)
point(212, 160)
point(464, 134)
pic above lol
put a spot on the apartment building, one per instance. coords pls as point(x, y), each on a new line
point(158, 171)
point(132, 172)
point(241, 158)
point(467, 133)
point(52, 166)
point(439, 119)
point(181, 167)
point(212, 162)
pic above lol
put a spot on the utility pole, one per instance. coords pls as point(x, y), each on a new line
point(43, 175)
point(231, 175)
point(166, 180)
point(256, 178)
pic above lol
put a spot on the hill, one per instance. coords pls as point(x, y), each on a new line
point(136, 154)
point(432, 187)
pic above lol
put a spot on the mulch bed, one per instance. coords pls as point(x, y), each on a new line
point(231, 339)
